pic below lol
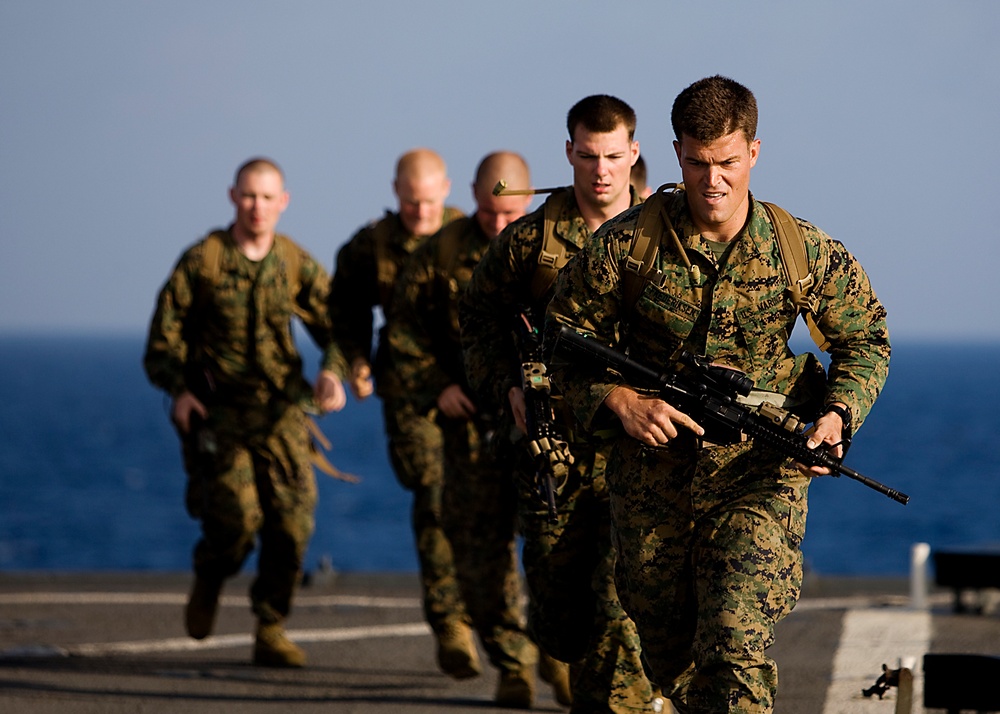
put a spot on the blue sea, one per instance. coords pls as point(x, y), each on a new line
point(91, 476)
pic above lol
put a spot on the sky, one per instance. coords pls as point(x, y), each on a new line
point(122, 121)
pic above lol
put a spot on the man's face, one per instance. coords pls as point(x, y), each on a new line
point(259, 197)
point(421, 201)
point(601, 164)
point(717, 179)
point(494, 213)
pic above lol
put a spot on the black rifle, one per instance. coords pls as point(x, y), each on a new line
point(708, 393)
point(548, 449)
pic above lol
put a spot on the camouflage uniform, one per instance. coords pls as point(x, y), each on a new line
point(365, 276)
point(249, 472)
point(479, 501)
point(708, 536)
point(574, 613)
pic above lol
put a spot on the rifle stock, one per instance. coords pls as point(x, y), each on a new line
point(710, 397)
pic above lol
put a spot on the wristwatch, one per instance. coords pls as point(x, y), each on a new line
point(843, 412)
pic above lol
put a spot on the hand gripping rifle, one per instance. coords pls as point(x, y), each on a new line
point(708, 393)
point(548, 449)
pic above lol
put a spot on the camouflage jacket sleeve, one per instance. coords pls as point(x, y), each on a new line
point(414, 328)
point(737, 313)
point(353, 296)
point(166, 344)
point(500, 284)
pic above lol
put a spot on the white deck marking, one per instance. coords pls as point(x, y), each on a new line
point(112, 598)
point(871, 638)
point(177, 644)
point(182, 644)
point(186, 644)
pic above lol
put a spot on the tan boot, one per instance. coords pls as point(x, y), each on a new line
point(456, 652)
point(516, 689)
point(202, 606)
point(274, 649)
point(556, 673)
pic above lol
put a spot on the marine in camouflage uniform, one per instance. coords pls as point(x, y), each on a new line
point(574, 614)
point(367, 269)
point(708, 535)
point(222, 333)
point(479, 500)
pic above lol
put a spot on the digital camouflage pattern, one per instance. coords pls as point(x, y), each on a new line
point(575, 612)
point(478, 506)
point(366, 274)
point(744, 319)
point(568, 562)
point(708, 538)
point(239, 328)
point(249, 471)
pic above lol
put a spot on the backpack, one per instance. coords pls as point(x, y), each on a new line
point(652, 222)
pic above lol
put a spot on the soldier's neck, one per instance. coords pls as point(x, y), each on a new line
point(254, 246)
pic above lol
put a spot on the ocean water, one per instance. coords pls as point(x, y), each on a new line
point(91, 476)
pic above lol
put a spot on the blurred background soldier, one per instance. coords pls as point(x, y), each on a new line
point(366, 272)
point(479, 504)
point(639, 180)
point(575, 615)
point(220, 344)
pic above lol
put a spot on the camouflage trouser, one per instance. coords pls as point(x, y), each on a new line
point(253, 478)
point(415, 450)
point(709, 561)
point(574, 612)
point(479, 516)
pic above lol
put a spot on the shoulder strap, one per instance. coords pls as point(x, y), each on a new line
point(801, 281)
point(290, 253)
point(645, 243)
point(552, 256)
point(211, 257)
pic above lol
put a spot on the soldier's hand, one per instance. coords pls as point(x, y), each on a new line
point(184, 404)
point(361, 379)
point(648, 419)
point(516, 398)
point(827, 430)
point(329, 392)
point(454, 403)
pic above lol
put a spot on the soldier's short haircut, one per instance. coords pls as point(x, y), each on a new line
point(714, 107)
point(257, 163)
point(601, 114)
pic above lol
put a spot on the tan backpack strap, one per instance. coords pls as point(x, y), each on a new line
point(211, 257)
point(289, 253)
point(801, 281)
point(645, 243)
point(552, 256)
point(653, 221)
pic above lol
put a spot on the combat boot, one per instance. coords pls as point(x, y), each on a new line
point(202, 606)
point(516, 689)
point(556, 673)
point(456, 651)
point(274, 649)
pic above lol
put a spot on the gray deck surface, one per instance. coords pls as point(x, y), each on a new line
point(114, 642)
